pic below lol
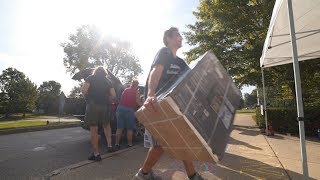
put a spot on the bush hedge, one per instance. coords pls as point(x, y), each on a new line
point(284, 120)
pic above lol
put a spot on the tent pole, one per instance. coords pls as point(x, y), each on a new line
point(298, 91)
point(264, 102)
point(258, 99)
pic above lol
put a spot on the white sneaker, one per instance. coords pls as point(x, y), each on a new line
point(149, 176)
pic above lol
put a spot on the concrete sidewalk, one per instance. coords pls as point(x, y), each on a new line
point(248, 156)
point(62, 119)
point(287, 150)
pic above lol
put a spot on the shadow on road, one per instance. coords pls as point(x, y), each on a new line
point(246, 130)
point(231, 167)
point(237, 142)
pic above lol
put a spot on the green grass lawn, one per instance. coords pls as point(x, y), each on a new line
point(29, 123)
point(31, 120)
point(21, 123)
point(246, 111)
point(29, 116)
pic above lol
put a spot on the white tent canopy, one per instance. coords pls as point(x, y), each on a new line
point(277, 48)
point(293, 35)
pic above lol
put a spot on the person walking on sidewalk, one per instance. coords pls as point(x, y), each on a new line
point(130, 100)
point(98, 90)
point(165, 70)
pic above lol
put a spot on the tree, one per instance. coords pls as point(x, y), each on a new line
point(280, 85)
point(76, 92)
point(26, 95)
point(75, 103)
point(237, 40)
point(49, 92)
point(17, 93)
point(310, 78)
point(88, 48)
point(235, 31)
point(241, 105)
point(250, 100)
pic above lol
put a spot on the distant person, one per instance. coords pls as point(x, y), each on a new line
point(98, 91)
point(129, 102)
point(165, 70)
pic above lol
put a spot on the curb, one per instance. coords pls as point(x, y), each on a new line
point(86, 162)
point(40, 128)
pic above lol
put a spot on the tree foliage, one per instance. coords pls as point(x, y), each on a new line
point(76, 92)
point(250, 100)
point(310, 78)
point(280, 85)
point(88, 48)
point(49, 92)
point(235, 31)
point(26, 95)
point(17, 92)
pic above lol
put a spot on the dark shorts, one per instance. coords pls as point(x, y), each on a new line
point(97, 114)
point(125, 117)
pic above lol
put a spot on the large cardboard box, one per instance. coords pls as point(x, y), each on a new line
point(195, 115)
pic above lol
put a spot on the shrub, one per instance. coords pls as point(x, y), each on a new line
point(284, 120)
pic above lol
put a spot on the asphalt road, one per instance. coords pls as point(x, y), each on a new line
point(34, 154)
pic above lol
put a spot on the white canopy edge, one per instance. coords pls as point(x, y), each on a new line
point(277, 47)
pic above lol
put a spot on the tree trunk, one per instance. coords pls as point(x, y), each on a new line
point(23, 115)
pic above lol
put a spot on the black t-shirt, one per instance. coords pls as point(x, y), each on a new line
point(99, 89)
point(173, 68)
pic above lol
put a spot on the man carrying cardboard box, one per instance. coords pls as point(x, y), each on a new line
point(165, 70)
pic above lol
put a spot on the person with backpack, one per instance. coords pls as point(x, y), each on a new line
point(98, 90)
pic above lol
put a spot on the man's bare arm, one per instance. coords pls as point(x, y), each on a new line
point(112, 93)
point(85, 88)
point(154, 79)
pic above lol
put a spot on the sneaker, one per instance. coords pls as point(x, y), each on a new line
point(197, 176)
point(149, 176)
point(92, 157)
point(110, 149)
point(116, 147)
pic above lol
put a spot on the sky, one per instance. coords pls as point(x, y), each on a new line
point(31, 31)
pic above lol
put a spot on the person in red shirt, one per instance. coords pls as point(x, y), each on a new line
point(129, 102)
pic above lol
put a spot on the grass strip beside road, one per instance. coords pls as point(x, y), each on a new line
point(29, 116)
point(21, 123)
point(29, 123)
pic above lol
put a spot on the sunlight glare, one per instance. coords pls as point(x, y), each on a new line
point(40, 26)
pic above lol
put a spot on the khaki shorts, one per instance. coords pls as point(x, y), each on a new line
point(97, 114)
